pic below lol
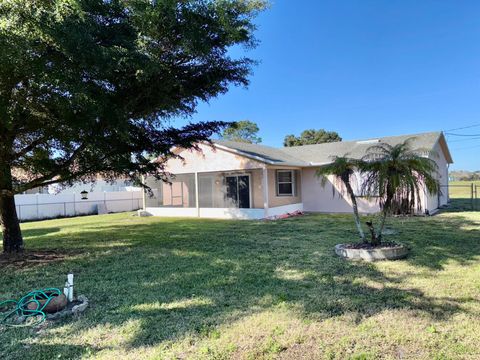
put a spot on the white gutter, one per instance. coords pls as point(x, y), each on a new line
point(319, 164)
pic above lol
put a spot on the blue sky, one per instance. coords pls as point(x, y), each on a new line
point(364, 69)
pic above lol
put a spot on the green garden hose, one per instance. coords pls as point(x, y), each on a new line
point(20, 308)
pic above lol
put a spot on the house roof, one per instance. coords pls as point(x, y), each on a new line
point(267, 154)
point(319, 154)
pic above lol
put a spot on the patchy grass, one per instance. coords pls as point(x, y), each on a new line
point(211, 289)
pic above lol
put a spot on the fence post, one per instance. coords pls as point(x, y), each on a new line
point(471, 197)
point(476, 197)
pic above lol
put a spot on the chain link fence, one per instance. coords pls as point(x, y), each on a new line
point(463, 196)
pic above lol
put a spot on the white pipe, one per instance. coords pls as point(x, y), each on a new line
point(68, 290)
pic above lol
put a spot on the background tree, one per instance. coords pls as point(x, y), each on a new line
point(85, 86)
point(343, 168)
point(311, 136)
point(398, 175)
point(242, 131)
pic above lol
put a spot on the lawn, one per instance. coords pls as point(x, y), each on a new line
point(212, 289)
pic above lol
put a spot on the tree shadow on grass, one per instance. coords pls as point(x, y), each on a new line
point(438, 240)
point(173, 281)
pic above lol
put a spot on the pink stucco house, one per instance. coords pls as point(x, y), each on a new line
point(251, 181)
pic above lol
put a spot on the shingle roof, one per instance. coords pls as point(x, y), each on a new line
point(309, 155)
point(267, 153)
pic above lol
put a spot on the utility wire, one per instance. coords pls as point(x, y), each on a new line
point(452, 134)
point(467, 147)
point(458, 140)
point(465, 127)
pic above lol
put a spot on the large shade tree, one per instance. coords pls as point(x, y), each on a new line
point(87, 86)
point(242, 131)
point(310, 137)
point(398, 175)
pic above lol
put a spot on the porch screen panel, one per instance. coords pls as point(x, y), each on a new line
point(205, 191)
point(179, 191)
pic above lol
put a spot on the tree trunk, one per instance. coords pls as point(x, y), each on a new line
point(355, 209)
point(378, 236)
point(12, 235)
point(386, 209)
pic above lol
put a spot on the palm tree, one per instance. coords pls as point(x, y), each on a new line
point(398, 175)
point(343, 168)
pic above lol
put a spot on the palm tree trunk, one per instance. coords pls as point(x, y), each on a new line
point(355, 209)
point(378, 236)
point(386, 210)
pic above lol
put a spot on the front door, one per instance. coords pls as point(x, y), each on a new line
point(238, 190)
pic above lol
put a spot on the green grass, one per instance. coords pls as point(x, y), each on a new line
point(211, 289)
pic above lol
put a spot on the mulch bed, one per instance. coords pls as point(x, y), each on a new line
point(30, 258)
point(367, 246)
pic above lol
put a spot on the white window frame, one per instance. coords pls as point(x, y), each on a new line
point(292, 173)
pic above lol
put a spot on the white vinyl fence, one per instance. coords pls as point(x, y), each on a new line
point(44, 206)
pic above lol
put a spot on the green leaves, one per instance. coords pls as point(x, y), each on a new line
point(91, 82)
point(310, 137)
point(242, 131)
point(399, 175)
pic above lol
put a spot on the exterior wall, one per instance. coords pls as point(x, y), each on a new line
point(432, 202)
point(273, 199)
point(210, 160)
point(325, 199)
point(224, 213)
point(317, 198)
point(208, 213)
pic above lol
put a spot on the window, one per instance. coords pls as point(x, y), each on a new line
point(285, 183)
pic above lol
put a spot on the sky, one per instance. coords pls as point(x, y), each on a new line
point(365, 69)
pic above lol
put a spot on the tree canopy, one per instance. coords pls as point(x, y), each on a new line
point(242, 131)
point(311, 136)
point(86, 85)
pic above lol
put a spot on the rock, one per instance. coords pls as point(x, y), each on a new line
point(77, 309)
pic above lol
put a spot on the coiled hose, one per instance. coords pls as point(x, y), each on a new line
point(40, 298)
